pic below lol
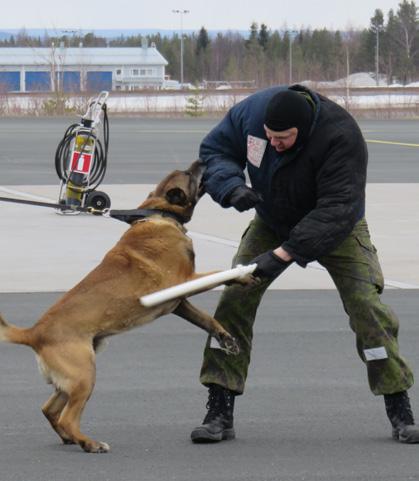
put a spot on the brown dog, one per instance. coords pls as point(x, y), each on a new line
point(153, 254)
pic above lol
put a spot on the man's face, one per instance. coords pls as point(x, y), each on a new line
point(283, 140)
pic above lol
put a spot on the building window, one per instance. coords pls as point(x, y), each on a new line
point(119, 72)
point(135, 71)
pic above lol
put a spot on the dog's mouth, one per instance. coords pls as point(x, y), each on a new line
point(179, 192)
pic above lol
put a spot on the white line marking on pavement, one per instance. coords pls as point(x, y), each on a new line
point(388, 142)
point(210, 238)
point(25, 194)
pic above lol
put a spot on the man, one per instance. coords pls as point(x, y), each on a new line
point(307, 161)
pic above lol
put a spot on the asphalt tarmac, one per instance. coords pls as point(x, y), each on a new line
point(141, 149)
point(307, 414)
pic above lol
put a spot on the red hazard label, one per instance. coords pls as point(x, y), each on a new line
point(81, 162)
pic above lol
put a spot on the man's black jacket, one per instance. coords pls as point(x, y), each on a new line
point(313, 195)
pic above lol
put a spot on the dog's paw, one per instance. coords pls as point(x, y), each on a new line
point(103, 448)
point(96, 447)
point(229, 344)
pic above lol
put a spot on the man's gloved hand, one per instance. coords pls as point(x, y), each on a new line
point(269, 265)
point(243, 198)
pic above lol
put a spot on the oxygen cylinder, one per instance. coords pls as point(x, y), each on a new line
point(81, 161)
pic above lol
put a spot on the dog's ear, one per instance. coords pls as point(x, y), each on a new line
point(176, 196)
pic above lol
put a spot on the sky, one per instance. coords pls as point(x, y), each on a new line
point(212, 14)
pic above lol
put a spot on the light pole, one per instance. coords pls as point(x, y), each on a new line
point(181, 13)
point(377, 29)
point(348, 71)
point(291, 34)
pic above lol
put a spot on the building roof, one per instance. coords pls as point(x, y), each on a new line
point(81, 56)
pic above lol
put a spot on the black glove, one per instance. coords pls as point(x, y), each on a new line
point(269, 265)
point(243, 198)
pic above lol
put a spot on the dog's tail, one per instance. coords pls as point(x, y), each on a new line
point(13, 334)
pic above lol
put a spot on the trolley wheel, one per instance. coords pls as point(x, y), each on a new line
point(98, 200)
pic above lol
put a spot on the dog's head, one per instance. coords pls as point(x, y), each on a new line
point(178, 192)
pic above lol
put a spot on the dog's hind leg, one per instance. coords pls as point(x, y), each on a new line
point(72, 369)
point(188, 311)
point(52, 410)
point(69, 420)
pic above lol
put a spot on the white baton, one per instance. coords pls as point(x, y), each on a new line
point(188, 288)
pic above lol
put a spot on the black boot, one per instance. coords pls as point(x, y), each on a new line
point(401, 417)
point(218, 423)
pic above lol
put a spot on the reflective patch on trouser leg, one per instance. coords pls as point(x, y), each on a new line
point(375, 354)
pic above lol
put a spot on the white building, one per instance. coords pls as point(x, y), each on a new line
point(80, 69)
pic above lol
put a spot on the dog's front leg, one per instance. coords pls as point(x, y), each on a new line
point(199, 318)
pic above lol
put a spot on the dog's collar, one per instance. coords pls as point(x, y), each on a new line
point(132, 215)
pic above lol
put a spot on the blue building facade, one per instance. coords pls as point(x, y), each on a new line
point(37, 81)
point(99, 80)
point(80, 69)
point(9, 81)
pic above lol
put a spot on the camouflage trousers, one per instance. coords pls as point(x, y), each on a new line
point(356, 272)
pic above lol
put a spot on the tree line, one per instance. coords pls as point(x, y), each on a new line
point(268, 57)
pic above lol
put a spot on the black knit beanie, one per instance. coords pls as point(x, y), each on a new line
point(288, 109)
